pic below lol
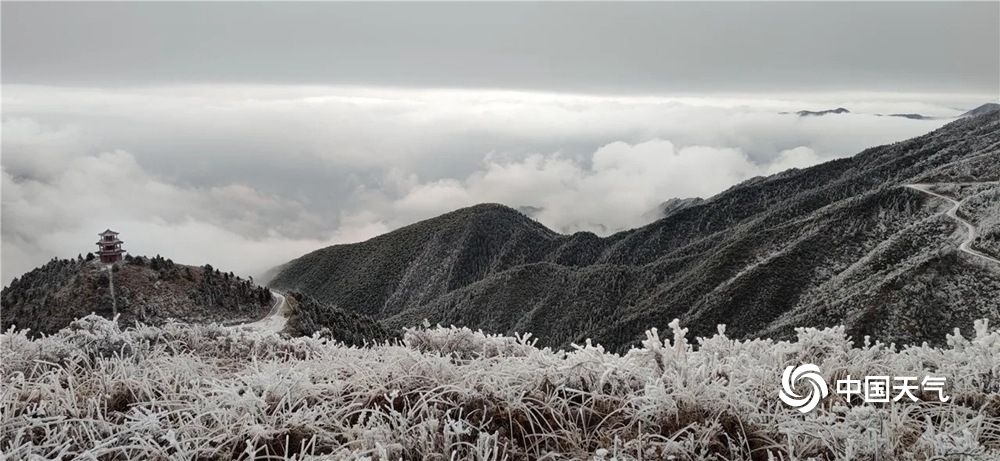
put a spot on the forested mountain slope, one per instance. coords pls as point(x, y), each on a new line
point(147, 290)
point(840, 242)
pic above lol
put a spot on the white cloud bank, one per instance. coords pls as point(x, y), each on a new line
point(249, 177)
point(623, 182)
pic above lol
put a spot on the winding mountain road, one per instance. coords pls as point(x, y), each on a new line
point(952, 213)
point(275, 320)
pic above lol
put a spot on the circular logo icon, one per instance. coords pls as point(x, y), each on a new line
point(807, 372)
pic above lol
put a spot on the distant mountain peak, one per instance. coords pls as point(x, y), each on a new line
point(809, 113)
point(841, 110)
point(909, 116)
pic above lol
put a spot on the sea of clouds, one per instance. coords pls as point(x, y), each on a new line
point(247, 177)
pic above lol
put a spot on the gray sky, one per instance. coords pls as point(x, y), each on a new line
point(600, 47)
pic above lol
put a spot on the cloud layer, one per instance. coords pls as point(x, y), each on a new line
point(246, 177)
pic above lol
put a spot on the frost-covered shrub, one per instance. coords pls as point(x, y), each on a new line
point(463, 343)
point(94, 391)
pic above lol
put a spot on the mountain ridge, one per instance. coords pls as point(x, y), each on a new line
point(762, 255)
point(983, 109)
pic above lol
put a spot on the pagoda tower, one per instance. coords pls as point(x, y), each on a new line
point(109, 247)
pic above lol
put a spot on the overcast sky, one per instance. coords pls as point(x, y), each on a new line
point(552, 46)
point(247, 134)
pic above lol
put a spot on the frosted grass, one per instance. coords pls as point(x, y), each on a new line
point(94, 391)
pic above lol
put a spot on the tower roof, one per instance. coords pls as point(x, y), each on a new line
point(108, 232)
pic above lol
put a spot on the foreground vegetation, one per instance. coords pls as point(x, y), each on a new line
point(178, 391)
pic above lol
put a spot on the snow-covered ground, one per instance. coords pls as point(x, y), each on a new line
point(94, 391)
point(972, 231)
